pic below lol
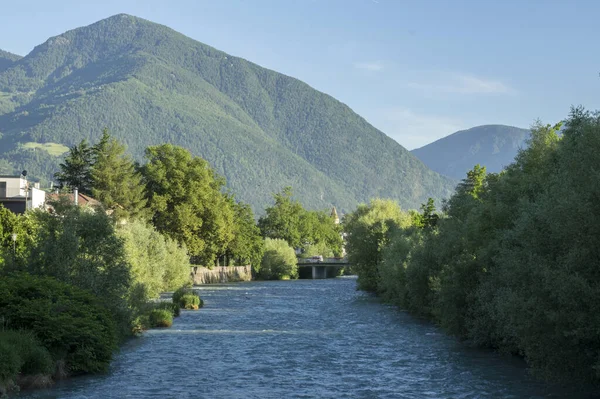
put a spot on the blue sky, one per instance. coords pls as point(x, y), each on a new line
point(417, 70)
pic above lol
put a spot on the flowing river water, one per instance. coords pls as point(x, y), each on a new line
point(304, 339)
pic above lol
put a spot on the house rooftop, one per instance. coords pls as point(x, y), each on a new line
point(82, 199)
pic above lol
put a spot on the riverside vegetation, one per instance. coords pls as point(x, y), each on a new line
point(78, 281)
point(512, 261)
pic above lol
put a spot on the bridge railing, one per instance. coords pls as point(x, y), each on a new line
point(308, 261)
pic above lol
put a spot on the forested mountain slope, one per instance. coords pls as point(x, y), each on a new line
point(7, 59)
point(149, 84)
point(492, 146)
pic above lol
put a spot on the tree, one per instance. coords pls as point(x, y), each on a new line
point(319, 231)
point(115, 182)
point(366, 230)
point(186, 203)
point(247, 245)
point(158, 264)
point(288, 220)
point(75, 171)
point(430, 218)
point(283, 219)
point(12, 249)
point(80, 247)
point(279, 261)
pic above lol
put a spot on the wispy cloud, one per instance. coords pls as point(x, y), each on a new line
point(374, 66)
point(412, 129)
point(462, 84)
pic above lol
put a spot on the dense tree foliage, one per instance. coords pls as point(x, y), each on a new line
point(114, 180)
point(260, 129)
point(7, 59)
point(75, 171)
point(366, 230)
point(186, 202)
point(81, 248)
point(158, 264)
point(68, 321)
point(288, 220)
point(279, 261)
point(513, 261)
point(284, 220)
point(21, 353)
point(247, 245)
point(23, 227)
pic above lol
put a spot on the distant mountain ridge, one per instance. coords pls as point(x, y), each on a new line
point(260, 129)
point(7, 59)
point(492, 146)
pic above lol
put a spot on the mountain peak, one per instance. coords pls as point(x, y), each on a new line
point(492, 146)
point(262, 130)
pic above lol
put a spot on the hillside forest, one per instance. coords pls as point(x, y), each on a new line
point(149, 85)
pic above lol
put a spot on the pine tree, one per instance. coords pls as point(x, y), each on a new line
point(75, 172)
point(115, 181)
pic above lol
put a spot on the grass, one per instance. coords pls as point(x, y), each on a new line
point(51, 148)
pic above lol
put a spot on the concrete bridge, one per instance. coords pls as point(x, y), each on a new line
point(319, 270)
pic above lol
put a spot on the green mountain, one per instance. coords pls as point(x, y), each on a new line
point(492, 146)
point(7, 59)
point(149, 84)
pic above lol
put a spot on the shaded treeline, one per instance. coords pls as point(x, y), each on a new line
point(512, 262)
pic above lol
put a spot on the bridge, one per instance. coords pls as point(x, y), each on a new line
point(327, 268)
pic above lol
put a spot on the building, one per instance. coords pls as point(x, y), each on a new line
point(81, 200)
point(17, 195)
point(335, 216)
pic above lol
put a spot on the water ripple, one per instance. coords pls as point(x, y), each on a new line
point(304, 339)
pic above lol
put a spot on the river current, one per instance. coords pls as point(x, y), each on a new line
point(304, 339)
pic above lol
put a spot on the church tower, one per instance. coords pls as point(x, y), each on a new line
point(335, 216)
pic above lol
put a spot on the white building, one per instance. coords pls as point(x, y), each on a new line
point(17, 195)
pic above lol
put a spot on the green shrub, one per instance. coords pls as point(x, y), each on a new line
point(190, 302)
point(68, 321)
point(34, 358)
point(157, 262)
point(279, 261)
point(170, 306)
point(80, 248)
point(143, 321)
point(161, 318)
point(21, 354)
point(140, 324)
point(180, 292)
point(10, 363)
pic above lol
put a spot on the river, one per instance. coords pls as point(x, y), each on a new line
point(303, 339)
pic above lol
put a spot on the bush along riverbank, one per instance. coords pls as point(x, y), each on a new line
point(52, 330)
point(512, 262)
point(73, 287)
